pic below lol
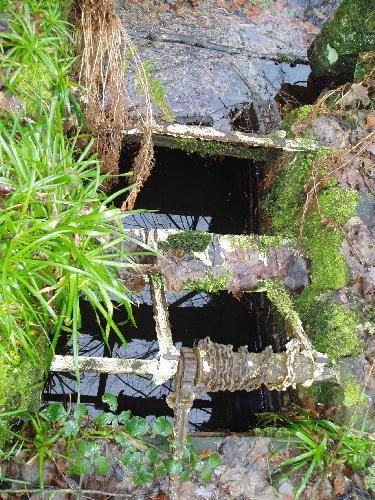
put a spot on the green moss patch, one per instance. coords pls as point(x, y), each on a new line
point(294, 117)
point(333, 329)
point(187, 241)
point(209, 283)
point(321, 242)
point(354, 395)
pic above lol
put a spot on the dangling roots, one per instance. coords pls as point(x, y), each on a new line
point(106, 54)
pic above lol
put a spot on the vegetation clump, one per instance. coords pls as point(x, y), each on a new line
point(296, 116)
point(318, 229)
point(210, 283)
point(354, 395)
point(187, 241)
point(318, 446)
point(333, 329)
point(147, 451)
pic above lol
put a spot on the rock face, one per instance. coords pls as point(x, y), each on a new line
point(334, 52)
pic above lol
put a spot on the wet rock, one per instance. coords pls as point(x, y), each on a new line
point(333, 54)
point(329, 131)
point(219, 56)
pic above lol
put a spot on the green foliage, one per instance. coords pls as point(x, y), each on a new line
point(146, 452)
point(260, 242)
point(337, 204)
point(37, 60)
point(157, 91)
point(213, 148)
point(282, 301)
point(322, 239)
point(333, 329)
point(294, 117)
point(209, 283)
point(354, 395)
point(318, 445)
point(187, 241)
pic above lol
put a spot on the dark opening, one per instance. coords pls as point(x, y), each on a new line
point(189, 192)
point(215, 194)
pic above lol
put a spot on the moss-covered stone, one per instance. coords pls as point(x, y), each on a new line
point(262, 242)
point(321, 239)
point(365, 65)
point(354, 395)
point(332, 328)
point(210, 283)
point(335, 50)
point(294, 117)
point(187, 241)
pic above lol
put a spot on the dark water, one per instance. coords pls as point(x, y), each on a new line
point(213, 194)
point(190, 192)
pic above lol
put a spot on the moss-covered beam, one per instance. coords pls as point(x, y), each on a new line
point(208, 262)
point(208, 141)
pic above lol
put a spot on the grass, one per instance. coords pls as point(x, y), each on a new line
point(61, 240)
point(318, 445)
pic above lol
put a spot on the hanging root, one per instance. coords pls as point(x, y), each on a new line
point(107, 53)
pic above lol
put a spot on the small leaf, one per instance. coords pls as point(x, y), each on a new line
point(185, 475)
point(122, 441)
point(104, 419)
point(80, 466)
point(173, 466)
point(54, 413)
point(152, 455)
point(86, 448)
point(80, 411)
point(124, 416)
point(111, 401)
point(162, 427)
point(144, 475)
point(213, 460)
point(137, 426)
point(101, 465)
point(71, 428)
point(131, 458)
point(206, 474)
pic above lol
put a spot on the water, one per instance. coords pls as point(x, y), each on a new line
point(189, 192)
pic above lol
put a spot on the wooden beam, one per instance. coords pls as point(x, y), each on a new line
point(210, 141)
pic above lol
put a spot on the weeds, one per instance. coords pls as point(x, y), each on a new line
point(145, 451)
point(321, 444)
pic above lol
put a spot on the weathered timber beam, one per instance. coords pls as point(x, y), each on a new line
point(104, 365)
point(211, 141)
point(236, 263)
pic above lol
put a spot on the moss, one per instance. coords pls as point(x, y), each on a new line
point(332, 328)
point(354, 395)
point(21, 383)
point(365, 65)
point(282, 301)
point(295, 116)
point(327, 393)
point(212, 148)
point(158, 279)
point(351, 31)
point(262, 243)
point(338, 205)
point(188, 241)
point(209, 283)
point(272, 432)
point(285, 202)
